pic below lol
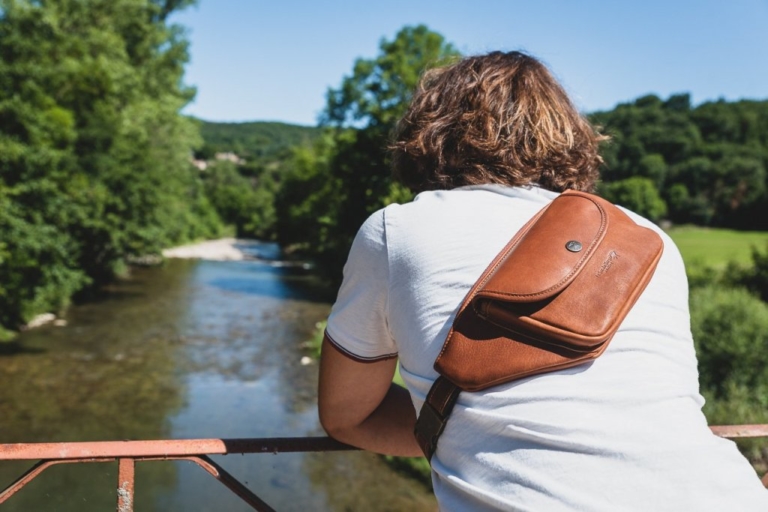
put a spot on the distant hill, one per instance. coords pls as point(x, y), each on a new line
point(254, 141)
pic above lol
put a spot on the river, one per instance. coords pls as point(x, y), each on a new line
point(192, 349)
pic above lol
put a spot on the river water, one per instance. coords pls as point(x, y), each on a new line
point(192, 349)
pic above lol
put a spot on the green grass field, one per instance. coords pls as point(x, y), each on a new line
point(716, 247)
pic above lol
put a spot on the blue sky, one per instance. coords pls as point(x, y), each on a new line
point(274, 60)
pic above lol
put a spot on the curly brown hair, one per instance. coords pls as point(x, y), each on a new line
point(496, 118)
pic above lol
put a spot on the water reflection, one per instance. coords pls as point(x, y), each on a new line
point(110, 375)
point(193, 349)
point(375, 486)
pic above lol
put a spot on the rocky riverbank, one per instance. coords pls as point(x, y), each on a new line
point(224, 249)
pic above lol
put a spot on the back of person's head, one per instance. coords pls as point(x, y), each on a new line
point(497, 118)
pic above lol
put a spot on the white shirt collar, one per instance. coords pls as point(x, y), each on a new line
point(534, 192)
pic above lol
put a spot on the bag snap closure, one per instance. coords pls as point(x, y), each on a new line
point(573, 246)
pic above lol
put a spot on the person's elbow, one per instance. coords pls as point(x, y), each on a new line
point(329, 424)
point(336, 422)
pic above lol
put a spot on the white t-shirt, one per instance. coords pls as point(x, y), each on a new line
point(625, 432)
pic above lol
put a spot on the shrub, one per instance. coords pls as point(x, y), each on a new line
point(730, 329)
point(638, 194)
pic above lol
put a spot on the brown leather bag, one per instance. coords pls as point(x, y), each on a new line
point(553, 298)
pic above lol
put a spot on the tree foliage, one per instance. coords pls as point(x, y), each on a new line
point(244, 202)
point(730, 328)
point(345, 177)
point(378, 91)
point(94, 156)
point(707, 163)
point(244, 194)
point(256, 142)
point(638, 194)
point(729, 322)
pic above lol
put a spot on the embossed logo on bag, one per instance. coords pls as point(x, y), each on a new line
point(612, 256)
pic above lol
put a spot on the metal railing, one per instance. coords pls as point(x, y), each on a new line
point(127, 453)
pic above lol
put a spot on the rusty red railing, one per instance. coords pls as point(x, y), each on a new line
point(127, 453)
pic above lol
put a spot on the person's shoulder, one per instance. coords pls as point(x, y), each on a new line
point(425, 208)
point(372, 232)
point(472, 195)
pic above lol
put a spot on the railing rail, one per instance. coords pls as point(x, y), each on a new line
point(127, 453)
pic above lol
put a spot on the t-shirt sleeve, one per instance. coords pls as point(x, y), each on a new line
point(358, 324)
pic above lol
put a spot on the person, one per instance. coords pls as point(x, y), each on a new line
point(486, 143)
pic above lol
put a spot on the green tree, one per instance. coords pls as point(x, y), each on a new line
point(718, 151)
point(256, 142)
point(378, 90)
point(637, 194)
point(350, 170)
point(246, 203)
point(306, 201)
point(654, 168)
point(94, 155)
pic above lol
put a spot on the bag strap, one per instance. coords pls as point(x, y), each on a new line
point(434, 414)
point(443, 394)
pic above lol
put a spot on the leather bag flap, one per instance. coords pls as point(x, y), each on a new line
point(550, 254)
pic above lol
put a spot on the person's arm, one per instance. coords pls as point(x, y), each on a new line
point(359, 404)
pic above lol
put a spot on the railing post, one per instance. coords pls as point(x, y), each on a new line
point(125, 479)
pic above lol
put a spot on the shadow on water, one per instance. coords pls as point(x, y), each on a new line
point(13, 348)
point(258, 278)
point(188, 350)
point(266, 287)
point(260, 250)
